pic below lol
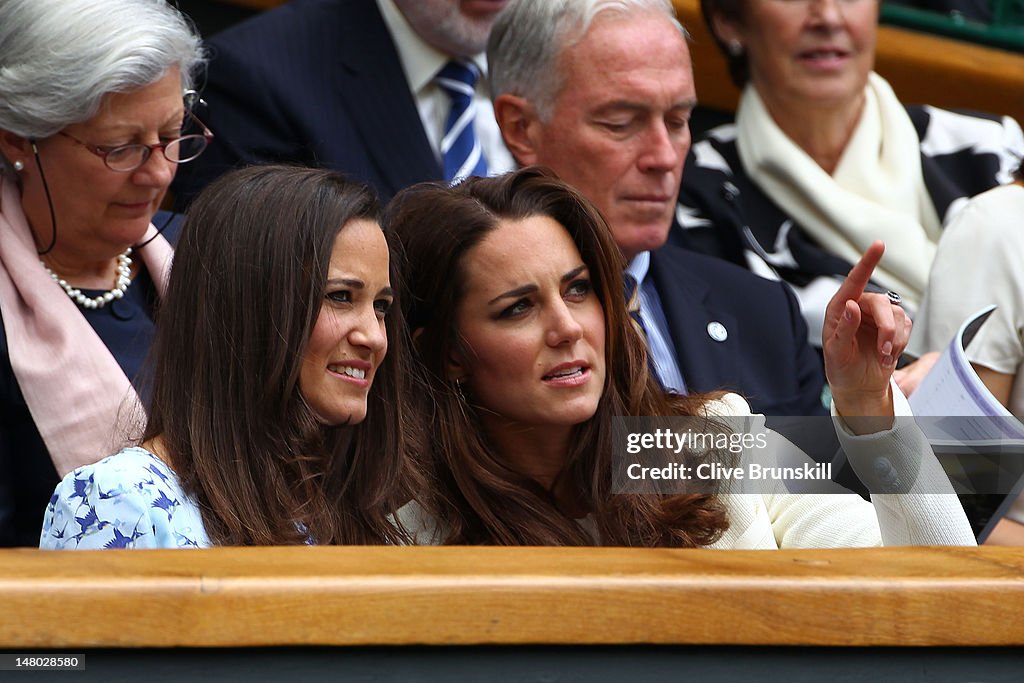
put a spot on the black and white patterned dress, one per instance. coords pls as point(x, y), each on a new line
point(724, 213)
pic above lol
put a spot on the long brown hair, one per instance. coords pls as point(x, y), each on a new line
point(478, 498)
point(244, 293)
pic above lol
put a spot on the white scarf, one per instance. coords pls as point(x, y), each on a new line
point(876, 192)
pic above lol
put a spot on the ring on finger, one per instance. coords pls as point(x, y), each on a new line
point(894, 298)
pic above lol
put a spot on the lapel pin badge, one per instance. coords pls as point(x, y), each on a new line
point(717, 331)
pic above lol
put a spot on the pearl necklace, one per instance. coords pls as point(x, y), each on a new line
point(124, 270)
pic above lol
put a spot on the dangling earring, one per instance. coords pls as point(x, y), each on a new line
point(458, 390)
point(19, 165)
point(734, 48)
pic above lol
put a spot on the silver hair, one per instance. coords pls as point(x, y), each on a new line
point(60, 58)
point(529, 37)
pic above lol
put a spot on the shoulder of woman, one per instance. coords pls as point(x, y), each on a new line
point(715, 153)
point(132, 463)
point(169, 223)
point(727, 405)
point(422, 527)
point(118, 502)
point(960, 125)
point(991, 215)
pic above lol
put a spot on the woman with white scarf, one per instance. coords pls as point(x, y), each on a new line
point(823, 158)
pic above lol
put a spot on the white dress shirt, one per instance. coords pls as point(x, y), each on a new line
point(659, 343)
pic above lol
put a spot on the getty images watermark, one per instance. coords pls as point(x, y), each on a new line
point(803, 455)
point(728, 469)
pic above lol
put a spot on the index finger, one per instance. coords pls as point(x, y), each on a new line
point(854, 284)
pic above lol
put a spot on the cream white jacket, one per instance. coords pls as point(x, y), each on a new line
point(844, 520)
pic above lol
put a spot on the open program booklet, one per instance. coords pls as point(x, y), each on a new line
point(982, 441)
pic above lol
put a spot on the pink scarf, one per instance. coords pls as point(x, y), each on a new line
point(80, 399)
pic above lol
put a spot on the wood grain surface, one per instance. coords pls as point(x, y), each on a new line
point(398, 596)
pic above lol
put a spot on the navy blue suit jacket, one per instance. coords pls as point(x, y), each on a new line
point(765, 358)
point(316, 82)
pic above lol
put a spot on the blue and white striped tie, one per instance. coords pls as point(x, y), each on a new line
point(460, 148)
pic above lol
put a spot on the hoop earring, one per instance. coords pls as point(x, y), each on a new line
point(734, 48)
point(19, 165)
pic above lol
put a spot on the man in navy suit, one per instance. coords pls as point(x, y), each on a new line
point(606, 105)
point(347, 84)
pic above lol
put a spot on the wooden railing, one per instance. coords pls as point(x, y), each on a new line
point(255, 597)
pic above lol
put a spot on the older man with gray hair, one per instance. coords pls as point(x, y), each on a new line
point(601, 91)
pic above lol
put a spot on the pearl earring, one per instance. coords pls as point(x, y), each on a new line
point(19, 165)
point(734, 48)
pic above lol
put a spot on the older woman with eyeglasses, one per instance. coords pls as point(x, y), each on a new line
point(94, 118)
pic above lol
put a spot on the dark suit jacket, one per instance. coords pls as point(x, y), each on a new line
point(765, 358)
point(316, 82)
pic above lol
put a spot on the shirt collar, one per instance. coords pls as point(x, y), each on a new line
point(639, 266)
point(420, 61)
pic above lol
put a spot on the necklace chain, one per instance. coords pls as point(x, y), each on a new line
point(124, 270)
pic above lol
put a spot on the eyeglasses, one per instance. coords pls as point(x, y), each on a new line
point(127, 158)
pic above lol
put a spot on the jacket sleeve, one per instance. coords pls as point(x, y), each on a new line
point(90, 512)
point(925, 512)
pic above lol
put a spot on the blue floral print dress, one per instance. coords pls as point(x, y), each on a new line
point(131, 499)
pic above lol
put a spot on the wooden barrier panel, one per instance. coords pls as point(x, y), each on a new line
point(354, 596)
point(922, 68)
